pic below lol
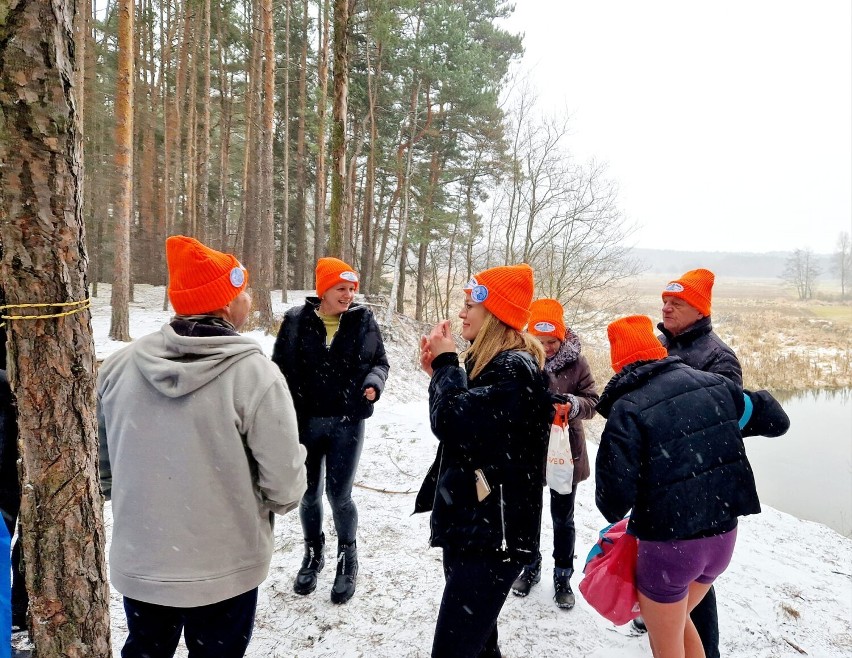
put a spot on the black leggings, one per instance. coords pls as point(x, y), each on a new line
point(334, 446)
point(477, 585)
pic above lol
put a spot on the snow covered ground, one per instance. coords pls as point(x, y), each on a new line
point(788, 591)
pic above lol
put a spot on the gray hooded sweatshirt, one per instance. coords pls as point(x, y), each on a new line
point(199, 447)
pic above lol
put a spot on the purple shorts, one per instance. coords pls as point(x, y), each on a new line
point(665, 569)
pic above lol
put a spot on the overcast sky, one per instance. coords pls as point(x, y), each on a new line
point(726, 124)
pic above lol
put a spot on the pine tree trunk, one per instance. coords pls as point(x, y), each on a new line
point(340, 76)
point(51, 361)
point(249, 246)
point(120, 300)
point(368, 240)
point(203, 165)
point(300, 220)
point(266, 216)
point(285, 220)
point(321, 177)
point(224, 140)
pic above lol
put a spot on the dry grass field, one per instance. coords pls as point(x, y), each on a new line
point(782, 343)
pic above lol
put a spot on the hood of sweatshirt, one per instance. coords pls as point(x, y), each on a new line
point(179, 365)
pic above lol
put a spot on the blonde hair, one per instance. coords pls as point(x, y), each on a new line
point(494, 337)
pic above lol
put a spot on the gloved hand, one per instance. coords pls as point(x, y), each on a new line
point(563, 410)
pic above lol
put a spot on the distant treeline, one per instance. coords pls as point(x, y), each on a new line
point(729, 264)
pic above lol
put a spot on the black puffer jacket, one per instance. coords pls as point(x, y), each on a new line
point(498, 422)
point(702, 349)
point(672, 452)
point(330, 381)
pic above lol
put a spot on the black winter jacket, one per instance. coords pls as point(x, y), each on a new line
point(330, 381)
point(702, 349)
point(498, 422)
point(672, 452)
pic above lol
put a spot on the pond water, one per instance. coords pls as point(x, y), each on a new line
point(808, 471)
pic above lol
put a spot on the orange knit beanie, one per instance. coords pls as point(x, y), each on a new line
point(546, 319)
point(331, 271)
point(632, 339)
point(695, 288)
point(506, 292)
point(201, 279)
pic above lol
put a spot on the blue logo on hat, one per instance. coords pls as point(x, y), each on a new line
point(674, 286)
point(238, 277)
point(479, 293)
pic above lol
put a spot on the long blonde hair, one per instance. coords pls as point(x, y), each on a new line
point(494, 337)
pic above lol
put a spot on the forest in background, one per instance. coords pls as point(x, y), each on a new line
point(392, 134)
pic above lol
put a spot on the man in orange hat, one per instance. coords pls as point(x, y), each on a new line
point(199, 448)
point(686, 328)
point(687, 332)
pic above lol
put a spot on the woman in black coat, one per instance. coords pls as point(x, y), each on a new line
point(332, 354)
point(492, 421)
point(672, 453)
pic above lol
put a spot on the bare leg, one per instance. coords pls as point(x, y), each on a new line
point(666, 624)
point(691, 640)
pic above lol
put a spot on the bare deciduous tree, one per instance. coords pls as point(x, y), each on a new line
point(843, 262)
point(801, 271)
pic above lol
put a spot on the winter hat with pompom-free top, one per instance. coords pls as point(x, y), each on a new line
point(331, 271)
point(506, 291)
point(201, 279)
point(547, 318)
point(632, 339)
point(695, 288)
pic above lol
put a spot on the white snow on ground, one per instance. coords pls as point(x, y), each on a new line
point(788, 591)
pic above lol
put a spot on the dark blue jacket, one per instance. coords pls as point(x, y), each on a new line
point(498, 422)
point(702, 349)
point(330, 381)
point(672, 452)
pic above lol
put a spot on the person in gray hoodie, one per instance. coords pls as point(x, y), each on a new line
point(199, 449)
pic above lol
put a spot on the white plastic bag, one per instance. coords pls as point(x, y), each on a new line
point(560, 463)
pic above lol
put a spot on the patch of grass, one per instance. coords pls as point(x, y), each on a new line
point(790, 611)
point(834, 312)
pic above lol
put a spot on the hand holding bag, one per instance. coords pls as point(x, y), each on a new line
point(560, 463)
point(609, 583)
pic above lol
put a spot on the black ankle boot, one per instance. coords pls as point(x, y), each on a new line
point(312, 564)
point(347, 571)
point(529, 577)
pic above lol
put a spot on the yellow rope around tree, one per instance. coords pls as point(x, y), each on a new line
point(80, 306)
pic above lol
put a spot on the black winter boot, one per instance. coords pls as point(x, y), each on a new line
point(347, 572)
point(562, 592)
point(529, 577)
point(312, 564)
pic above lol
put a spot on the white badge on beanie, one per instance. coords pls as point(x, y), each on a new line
point(479, 293)
point(349, 276)
point(544, 327)
point(237, 276)
point(674, 286)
